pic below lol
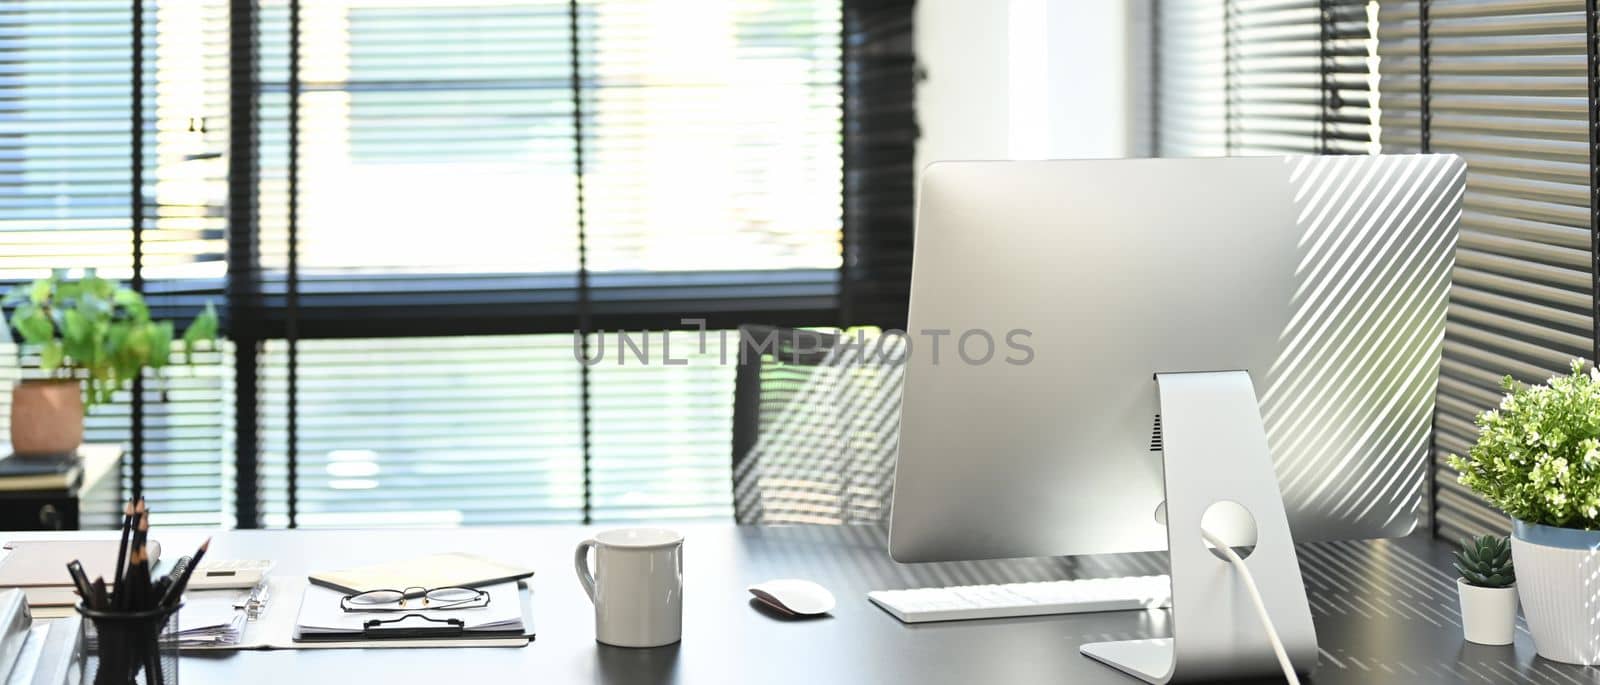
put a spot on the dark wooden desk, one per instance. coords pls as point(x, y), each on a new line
point(1385, 611)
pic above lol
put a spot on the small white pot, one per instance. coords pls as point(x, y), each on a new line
point(1488, 614)
point(1558, 578)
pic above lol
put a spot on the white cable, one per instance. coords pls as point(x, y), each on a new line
point(1261, 606)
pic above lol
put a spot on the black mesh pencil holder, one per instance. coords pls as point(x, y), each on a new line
point(129, 647)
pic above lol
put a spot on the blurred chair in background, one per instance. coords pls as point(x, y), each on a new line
point(815, 425)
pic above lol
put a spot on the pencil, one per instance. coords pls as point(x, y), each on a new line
point(101, 600)
point(126, 586)
point(142, 580)
point(122, 549)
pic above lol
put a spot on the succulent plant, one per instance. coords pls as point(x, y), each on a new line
point(1485, 561)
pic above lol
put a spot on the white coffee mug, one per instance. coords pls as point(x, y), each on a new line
point(636, 586)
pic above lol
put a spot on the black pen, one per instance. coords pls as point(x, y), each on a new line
point(80, 579)
point(179, 570)
point(175, 593)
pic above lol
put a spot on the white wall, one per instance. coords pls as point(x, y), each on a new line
point(1031, 79)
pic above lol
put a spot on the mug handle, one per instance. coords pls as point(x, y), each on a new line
point(580, 561)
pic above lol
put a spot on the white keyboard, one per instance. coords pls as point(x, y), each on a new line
point(1024, 599)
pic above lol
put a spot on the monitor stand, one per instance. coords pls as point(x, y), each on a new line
point(1215, 450)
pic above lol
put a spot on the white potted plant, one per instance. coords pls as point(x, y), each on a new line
point(1538, 459)
point(1488, 589)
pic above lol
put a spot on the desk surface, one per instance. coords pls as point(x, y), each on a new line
point(1385, 612)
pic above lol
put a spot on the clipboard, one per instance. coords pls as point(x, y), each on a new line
point(323, 616)
point(274, 628)
point(417, 627)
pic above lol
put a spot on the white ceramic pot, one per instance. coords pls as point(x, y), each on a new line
point(1488, 614)
point(1558, 578)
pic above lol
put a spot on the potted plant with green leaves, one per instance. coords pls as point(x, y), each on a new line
point(1537, 458)
point(92, 337)
point(1488, 590)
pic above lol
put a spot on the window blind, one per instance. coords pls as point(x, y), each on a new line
point(1503, 84)
point(425, 431)
point(707, 134)
point(880, 142)
point(464, 181)
point(70, 196)
point(65, 143)
point(489, 430)
point(419, 200)
point(1263, 77)
point(435, 161)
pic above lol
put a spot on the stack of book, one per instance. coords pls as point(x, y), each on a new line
point(18, 474)
point(77, 492)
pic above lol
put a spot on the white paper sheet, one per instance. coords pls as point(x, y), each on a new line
point(211, 617)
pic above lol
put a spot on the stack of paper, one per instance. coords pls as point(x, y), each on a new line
point(322, 618)
point(212, 618)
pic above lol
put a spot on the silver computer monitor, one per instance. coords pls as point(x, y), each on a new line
point(1323, 277)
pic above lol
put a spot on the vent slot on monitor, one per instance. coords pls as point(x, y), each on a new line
point(1155, 435)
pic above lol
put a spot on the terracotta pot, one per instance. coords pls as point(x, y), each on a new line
point(46, 417)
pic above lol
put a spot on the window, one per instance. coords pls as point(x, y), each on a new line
point(1502, 84)
point(71, 187)
point(405, 208)
point(1505, 88)
point(1263, 78)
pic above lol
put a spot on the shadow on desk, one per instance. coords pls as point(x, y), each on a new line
point(1386, 611)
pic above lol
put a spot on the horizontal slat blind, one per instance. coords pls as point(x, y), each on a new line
point(1263, 77)
point(488, 430)
point(662, 434)
point(426, 431)
point(880, 143)
point(436, 159)
point(188, 415)
point(712, 156)
point(745, 93)
point(66, 144)
point(710, 140)
point(440, 146)
point(1506, 91)
point(65, 140)
point(1191, 63)
point(438, 227)
point(185, 143)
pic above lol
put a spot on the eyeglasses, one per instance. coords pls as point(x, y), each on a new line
point(415, 598)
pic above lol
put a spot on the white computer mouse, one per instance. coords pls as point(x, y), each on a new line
point(794, 596)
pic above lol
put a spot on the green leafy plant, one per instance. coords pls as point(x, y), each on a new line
point(1538, 455)
point(97, 331)
point(1485, 561)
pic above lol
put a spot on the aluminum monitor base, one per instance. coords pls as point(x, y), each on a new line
point(1215, 450)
